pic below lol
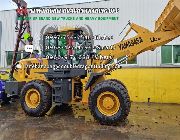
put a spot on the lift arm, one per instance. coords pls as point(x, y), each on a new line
point(167, 28)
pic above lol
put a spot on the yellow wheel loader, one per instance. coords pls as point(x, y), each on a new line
point(83, 81)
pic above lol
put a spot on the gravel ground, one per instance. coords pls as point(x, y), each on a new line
point(145, 122)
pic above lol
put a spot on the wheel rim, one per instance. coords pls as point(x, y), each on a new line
point(32, 98)
point(108, 103)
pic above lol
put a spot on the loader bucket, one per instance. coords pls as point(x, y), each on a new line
point(170, 18)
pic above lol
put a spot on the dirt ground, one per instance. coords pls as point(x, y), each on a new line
point(145, 122)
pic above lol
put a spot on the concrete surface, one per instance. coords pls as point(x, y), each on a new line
point(145, 122)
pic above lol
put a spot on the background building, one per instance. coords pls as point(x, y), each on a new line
point(141, 12)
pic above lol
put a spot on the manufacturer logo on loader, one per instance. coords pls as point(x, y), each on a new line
point(131, 43)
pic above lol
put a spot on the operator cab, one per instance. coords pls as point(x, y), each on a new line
point(67, 44)
point(64, 49)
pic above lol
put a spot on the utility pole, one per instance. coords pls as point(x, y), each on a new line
point(22, 26)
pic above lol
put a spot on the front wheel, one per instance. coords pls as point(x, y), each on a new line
point(36, 98)
point(109, 102)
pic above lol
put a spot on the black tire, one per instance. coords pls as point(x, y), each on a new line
point(120, 91)
point(124, 88)
point(120, 83)
point(45, 92)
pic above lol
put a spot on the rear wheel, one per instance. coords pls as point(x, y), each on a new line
point(109, 102)
point(36, 98)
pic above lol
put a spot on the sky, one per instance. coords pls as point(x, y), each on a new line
point(7, 4)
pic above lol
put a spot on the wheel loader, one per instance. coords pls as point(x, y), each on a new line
point(63, 80)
